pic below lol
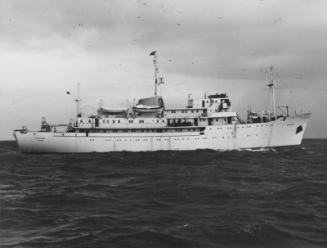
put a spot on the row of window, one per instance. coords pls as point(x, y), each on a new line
point(113, 121)
point(175, 139)
point(262, 125)
point(138, 130)
point(85, 121)
point(186, 111)
point(230, 128)
point(157, 139)
point(118, 121)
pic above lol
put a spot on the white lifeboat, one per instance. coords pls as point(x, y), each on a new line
point(153, 105)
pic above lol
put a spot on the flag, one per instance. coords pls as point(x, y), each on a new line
point(153, 53)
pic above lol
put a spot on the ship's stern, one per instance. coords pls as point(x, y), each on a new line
point(18, 135)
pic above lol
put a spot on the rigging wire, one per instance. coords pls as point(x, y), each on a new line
point(298, 101)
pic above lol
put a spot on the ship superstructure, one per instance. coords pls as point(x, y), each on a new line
point(207, 123)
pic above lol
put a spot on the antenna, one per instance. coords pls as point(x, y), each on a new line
point(77, 100)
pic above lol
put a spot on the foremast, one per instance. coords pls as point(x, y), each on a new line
point(272, 97)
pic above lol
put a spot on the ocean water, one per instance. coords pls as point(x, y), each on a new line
point(270, 198)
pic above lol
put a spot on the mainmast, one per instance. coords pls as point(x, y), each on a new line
point(272, 99)
point(157, 80)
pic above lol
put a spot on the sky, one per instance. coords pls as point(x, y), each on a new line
point(207, 46)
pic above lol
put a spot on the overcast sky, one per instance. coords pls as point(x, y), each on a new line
point(47, 46)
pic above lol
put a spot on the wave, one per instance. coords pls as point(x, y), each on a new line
point(203, 198)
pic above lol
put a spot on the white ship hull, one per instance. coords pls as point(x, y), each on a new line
point(281, 132)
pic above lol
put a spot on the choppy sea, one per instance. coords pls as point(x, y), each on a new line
point(269, 198)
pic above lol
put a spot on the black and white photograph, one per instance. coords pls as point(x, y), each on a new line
point(163, 123)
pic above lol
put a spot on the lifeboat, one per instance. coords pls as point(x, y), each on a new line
point(112, 111)
point(152, 105)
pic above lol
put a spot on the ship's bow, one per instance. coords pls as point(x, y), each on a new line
point(289, 131)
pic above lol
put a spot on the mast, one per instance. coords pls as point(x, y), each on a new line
point(77, 100)
point(156, 71)
point(272, 99)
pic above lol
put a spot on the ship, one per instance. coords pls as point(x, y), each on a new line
point(205, 123)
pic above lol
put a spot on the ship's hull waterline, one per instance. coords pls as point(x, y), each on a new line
point(281, 132)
